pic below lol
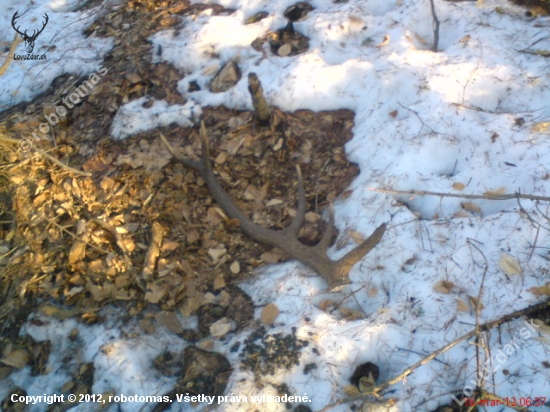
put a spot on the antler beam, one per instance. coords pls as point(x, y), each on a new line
point(335, 272)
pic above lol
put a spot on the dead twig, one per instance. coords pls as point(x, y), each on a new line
point(61, 164)
point(377, 390)
point(486, 196)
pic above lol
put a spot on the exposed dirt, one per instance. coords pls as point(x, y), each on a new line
point(87, 221)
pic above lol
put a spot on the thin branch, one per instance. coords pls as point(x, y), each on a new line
point(477, 307)
point(376, 391)
point(61, 164)
point(418, 117)
point(486, 196)
point(49, 157)
point(422, 354)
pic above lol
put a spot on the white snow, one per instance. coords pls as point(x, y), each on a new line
point(424, 121)
point(135, 117)
point(66, 48)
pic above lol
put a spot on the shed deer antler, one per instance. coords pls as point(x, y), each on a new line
point(335, 272)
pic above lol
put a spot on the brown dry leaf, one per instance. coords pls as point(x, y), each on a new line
point(393, 113)
point(107, 184)
point(219, 282)
point(460, 215)
point(253, 193)
point(222, 327)
point(478, 306)
point(221, 158)
point(97, 266)
point(312, 217)
point(351, 314)
point(213, 216)
point(192, 236)
point(458, 186)
point(191, 304)
point(235, 267)
point(462, 306)
point(170, 321)
point(216, 253)
point(495, 192)
point(420, 39)
point(206, 344)
point(509, 265)
point(164, 267)
point(384, 41)
point(278, 145)
point(541, 290)
point(274, 202)
point(444, 286)
point(373, 291)
point(327, 304)
point(101, 292)
point(169, 246)
point(16, 359)
point(269, 314)
point(270, 257)
point(127, 244)
point(154, 293)
point(122, 281)
point(77, 252)
point(77, 280)
point(232, 146)
point(471, 207)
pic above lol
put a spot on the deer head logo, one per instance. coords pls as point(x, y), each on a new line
point(29, 40)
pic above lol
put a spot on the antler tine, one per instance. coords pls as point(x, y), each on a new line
point(193, 164)
point(347, 261)
point(298, 220)
point(324, 243)
point(247, 226)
